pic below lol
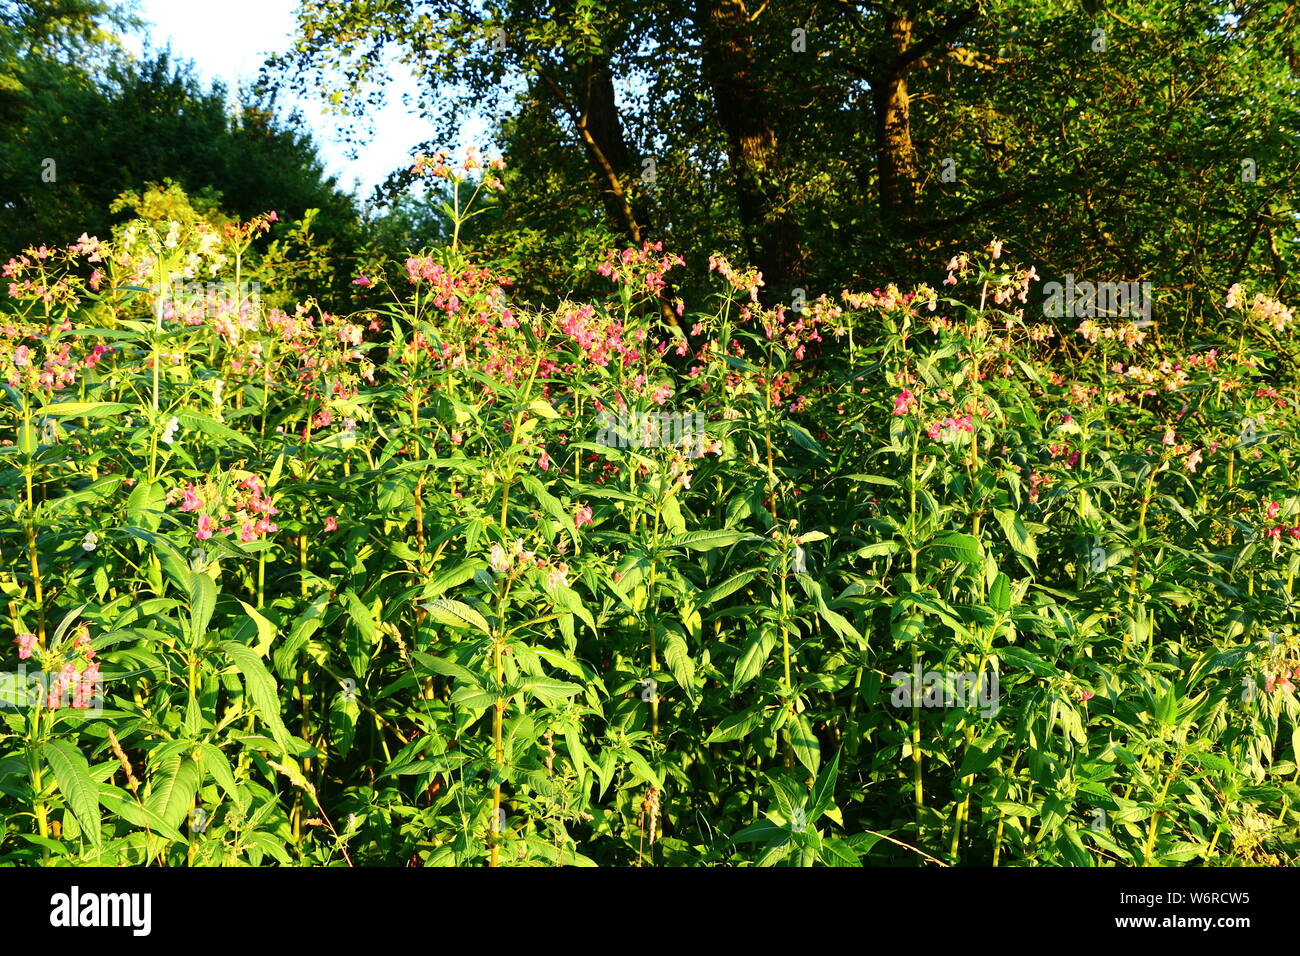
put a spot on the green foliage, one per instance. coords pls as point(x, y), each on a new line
point(900, 579)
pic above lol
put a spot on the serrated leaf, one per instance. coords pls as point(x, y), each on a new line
point(957, 547)
point(736, 726)
point(175, 784)
point(203, 601)
point(262, 689)
point(707, 540)
point(677, 655)
point(456, 614)
point(215, 763)
point(1017, 535)
point(72, 774)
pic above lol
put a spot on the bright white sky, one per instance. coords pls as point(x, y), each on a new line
point(229, 40)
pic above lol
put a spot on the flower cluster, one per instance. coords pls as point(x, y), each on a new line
point(31, 360)
point(1127, 333)
point(600, 338)
point(82, 684)
point(794, 330)
point(748, 280)
point(439, 166)
point(77, 680)
point(245, 510)
point(640, 268)
point(1272, 509)
point(905, 402)
point(517, 560)
point(950, 428)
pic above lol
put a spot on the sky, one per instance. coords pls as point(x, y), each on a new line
point(230, 39)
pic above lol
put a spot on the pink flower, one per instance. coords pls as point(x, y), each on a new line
point(1087, 695)
point(544, 462)
point(190, 501)
point(1193, 460)
point(248, 532)
point(331, 524)
point(25, 644)
point(1169, 437)
point(497, 559)
point(205, 528)
point(555, 577)
point(904, 402)
point(582, 517)
point(1273, 508)
point(362, 280)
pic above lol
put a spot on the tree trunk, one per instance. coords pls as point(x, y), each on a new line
point(895, 152)
point(744, 110)
point(601, 130)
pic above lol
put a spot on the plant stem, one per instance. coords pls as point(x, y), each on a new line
point(497, 711)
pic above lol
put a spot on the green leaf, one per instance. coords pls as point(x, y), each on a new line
point(678, 658)
point(839, 853)
point(957, 547)
point(82, 409)
point(804, 742)
point(547, 690)
point(750, 663)
point(763, 831)
point(448, 668)
point(145, 505)
point(1000, 594)
point(878, 550)
point(265, 630)
point(261, 688)
point(736, 726)
point(121, 805)
point(542, 409)
point(203, 601)
point(215, 762)
point(174, 786)
point(1017, 535)
point(473, 698)
point(72, 774)
point(1020, 657)
point(642, 769)
point(823, 792)
point(708, 540)
point(726, 588)
point(201, 423)
point(456, 614)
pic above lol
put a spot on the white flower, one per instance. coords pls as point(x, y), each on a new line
point(90, 541)
point(173, 426)
point(799, 564)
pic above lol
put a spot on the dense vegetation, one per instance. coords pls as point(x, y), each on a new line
point(555, 516)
